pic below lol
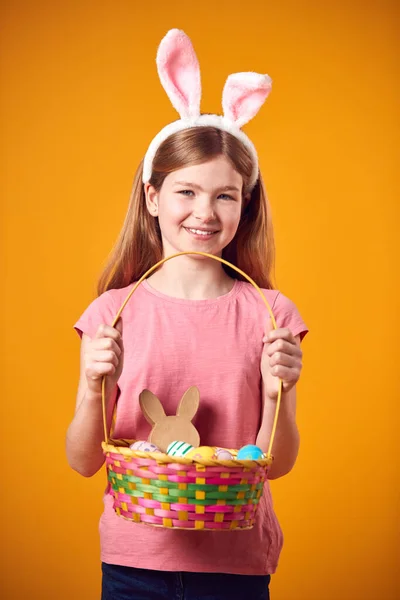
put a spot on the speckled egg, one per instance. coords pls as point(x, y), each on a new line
point(144, 446)
point(250, 452)
point(223, 454)
point(180, 449)
point(201, 452)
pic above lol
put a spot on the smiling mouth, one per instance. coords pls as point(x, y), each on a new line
point(204, 232)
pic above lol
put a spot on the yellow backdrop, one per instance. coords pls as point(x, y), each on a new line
point(80, 100)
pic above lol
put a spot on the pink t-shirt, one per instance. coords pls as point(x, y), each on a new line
point(171, 344)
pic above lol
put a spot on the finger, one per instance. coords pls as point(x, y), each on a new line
point(106, 356)
point(107, 344)
point(108, 331)
point(285, 373)
point(281, 333)
point(97, 370)
point(284, 347)
point(286, 360)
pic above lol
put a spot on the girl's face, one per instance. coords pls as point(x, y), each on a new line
point(198, 207)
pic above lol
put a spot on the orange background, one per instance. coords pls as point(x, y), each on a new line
point(80, 100)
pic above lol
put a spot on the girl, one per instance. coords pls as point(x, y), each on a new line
point(192, 322)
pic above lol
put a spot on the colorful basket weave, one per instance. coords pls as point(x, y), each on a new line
point(181, 493)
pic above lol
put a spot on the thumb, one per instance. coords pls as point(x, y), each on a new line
point(118, 326)
point(268, 328)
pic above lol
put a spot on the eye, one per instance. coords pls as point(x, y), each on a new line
point(226, 197)
point(186, 192)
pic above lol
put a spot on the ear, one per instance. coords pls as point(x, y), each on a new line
point(179, 72)
point(243, 96)
point(189, 404)
point(151, 199)
point(151, 407)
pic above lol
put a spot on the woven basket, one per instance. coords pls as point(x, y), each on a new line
point(181, 493)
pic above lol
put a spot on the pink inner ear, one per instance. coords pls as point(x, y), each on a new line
point(243, 96)
point(179, 73)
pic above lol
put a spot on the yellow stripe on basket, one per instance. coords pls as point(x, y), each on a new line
point(247, 516)
point(163, 477)
point(200, 480)
point(121, 490)
point(119, 476)
point(199, 525)
point(237, 508)
point(182, 486)
point(182, 500)
point(200, 510)
point(165, 506)
point(201, 468)
point(253, 487)
point(134, 500)
point(129, 472)
point(146, 481)
point(234, 524)
point(124, 506)
point(219, 518)
point(136, 517)
point(222, 488)
point(132, 486)
point(117, 510)
point(164, 491)
point(148, 496)
point(225, 475)
point(182, 473)
point(182, 515)
point(200, 495)
point(167, 522)
point(149, 511)
point(240, 495)
point(221, 502)
point(117, 463)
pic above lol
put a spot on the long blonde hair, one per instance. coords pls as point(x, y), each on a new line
point(139, 244)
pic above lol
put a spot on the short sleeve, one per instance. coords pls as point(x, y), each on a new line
point(100, 311)
point(287, 315)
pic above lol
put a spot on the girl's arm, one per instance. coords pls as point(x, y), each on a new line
point(287, 440)
point(100, 356)
point(282, 358)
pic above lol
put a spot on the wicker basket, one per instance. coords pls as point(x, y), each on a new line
point(181, 493)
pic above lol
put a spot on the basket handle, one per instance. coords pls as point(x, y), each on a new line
point(225, 262)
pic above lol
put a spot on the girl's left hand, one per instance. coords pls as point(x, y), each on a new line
point(281, 359)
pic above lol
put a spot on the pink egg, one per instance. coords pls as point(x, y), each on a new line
point(223, 454)
point(144, 446)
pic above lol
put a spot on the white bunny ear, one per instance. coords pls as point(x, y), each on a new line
point(243, 96)
point(179, 72)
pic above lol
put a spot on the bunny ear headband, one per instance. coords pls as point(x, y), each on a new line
point(179, 72)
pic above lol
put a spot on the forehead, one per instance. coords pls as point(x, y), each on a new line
point(218, 172)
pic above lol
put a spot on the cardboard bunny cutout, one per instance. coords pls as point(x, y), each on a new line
point(167, 429)
point(179, 72)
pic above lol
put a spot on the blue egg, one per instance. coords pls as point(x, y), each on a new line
point(250, 452)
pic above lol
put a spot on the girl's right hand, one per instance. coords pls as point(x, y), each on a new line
point(104, 356)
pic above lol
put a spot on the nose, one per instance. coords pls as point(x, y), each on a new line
point(203, 209)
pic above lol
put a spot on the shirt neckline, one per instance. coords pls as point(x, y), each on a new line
point(237, 285)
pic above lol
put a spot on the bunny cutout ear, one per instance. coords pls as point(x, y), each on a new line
point(179, 72)
point(151, 407)
point(189, 404)
point(243, 96)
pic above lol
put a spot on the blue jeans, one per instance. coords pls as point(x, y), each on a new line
point(127, 583)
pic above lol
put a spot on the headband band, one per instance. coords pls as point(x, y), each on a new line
point(179, 72)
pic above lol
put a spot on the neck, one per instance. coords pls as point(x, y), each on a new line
point(192, 278)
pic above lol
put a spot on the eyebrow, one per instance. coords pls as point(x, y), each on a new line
point(225, 188)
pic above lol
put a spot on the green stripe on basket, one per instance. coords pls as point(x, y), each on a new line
point(174, 494)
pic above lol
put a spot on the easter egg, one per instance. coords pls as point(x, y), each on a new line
point(250, 452)
point(179, 449)
point(201, 452)
point(223, 454)
point(144, 446)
